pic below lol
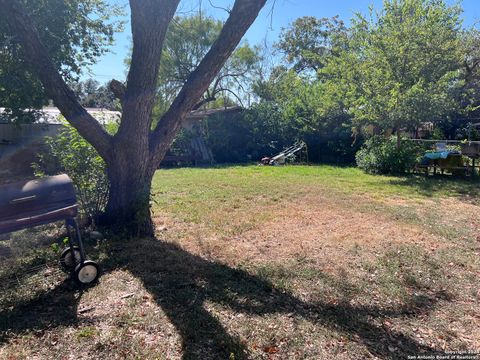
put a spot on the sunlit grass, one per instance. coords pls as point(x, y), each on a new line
point(198, 190)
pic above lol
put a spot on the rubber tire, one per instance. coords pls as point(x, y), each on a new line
point(87, 273)
point(65, 258)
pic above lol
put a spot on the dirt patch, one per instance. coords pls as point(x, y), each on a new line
point(316, 228)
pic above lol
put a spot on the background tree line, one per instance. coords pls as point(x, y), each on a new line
point(410, 67)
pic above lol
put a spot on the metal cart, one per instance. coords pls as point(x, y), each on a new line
point(26, 204)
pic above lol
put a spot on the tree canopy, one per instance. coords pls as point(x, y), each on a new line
point(401, 66)
point(308, 42)
point(92, 94)
point(187, 41)
point(75, 34)
point(407, 65)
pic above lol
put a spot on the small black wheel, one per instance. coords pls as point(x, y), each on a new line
point(87, 272)
point(69, 259)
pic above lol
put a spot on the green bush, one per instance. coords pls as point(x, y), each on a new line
point(379, 155)
point(70, 153)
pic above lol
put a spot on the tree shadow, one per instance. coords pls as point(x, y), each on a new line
point(181, 283)
point(429, 185)
point(52, 308)
point(35, 294)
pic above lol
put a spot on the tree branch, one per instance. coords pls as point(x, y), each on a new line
point(241, 17)
point(223, 76)
point(212, 97)
point(204, 101)
point(150, 20)
point(219, 7)
point(234, 94)
point(37, 58)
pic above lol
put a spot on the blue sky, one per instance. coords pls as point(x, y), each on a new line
point(265, 29)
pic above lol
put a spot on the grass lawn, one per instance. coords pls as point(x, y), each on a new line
point(257, 262)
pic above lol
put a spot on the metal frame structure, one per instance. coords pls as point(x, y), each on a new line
point(286, 154)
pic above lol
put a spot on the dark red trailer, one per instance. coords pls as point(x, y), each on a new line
point(26, 204)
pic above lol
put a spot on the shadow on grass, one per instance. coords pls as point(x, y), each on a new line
point(28, 268)
point(449, 185)
point(53, 308)
point(181, 283)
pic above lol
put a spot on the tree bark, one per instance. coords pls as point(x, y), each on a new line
point(128, 208)
point(130, 172)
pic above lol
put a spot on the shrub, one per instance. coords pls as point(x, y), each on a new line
point(379, 155)
point(70, 153)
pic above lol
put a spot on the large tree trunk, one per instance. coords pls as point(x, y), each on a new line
point(128, 208)
point(130, 175)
